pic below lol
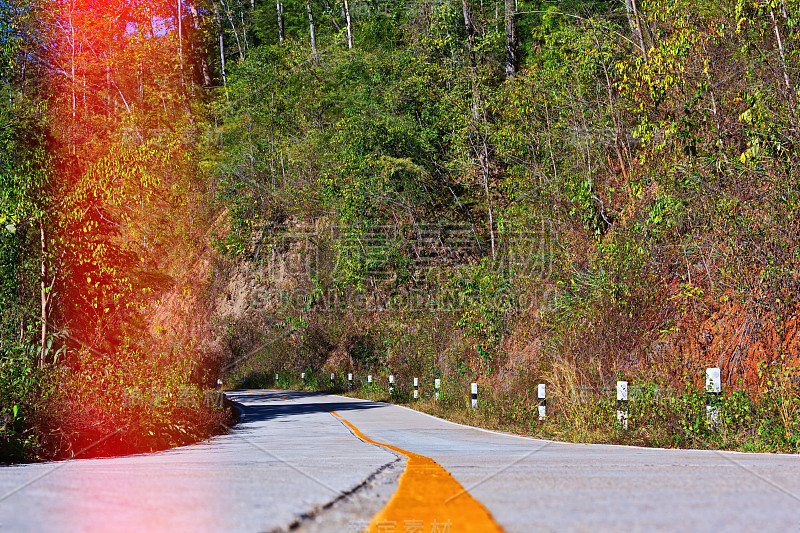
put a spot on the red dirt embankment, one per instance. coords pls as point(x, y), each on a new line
point(737, 337)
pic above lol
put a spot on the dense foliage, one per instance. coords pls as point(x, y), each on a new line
point(622, 203)
point(103, 340)
point(23, 174)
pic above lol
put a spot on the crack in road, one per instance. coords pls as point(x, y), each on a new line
point(346, 512)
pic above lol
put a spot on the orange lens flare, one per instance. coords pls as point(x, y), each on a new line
point(122, 93)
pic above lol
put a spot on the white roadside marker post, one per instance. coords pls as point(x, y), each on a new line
point(713, 391)
point(276, 380)
point(369, 381)
point(437, 384)
point(303, 377)
point(333, 379)
point(474, 394)
point(416, 388)
point(622, 403)
point(391, 384)
point(349, 381)
point(542, 401)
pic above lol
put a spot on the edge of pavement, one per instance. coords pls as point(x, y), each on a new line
point(549, 441)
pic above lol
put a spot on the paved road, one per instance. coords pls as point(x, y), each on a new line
point(290, 457)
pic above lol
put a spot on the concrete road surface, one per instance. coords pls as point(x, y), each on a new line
point(291, 463)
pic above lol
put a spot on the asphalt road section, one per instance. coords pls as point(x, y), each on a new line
point(284, 460)
point(534, 485)
point(293, 462)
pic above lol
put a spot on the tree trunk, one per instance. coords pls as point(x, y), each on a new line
point(633, 21)
point(233, 27)
point(349, 25)
point(329, 11)
point(186, 105)
point(480, 144)
point(549, 143)
point(511, 40)
point(42, 352)
point(712, 92)
point(281, 35)
point(470, 30)
point(221, 45)
point(109, 110)
point(205, 71)
point(311, 30)
point(180, 38)
point(72, 85)
point(485, 172)
point(786, 80)
point(610, 96)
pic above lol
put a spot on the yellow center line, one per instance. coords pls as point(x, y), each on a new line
point(428, 498)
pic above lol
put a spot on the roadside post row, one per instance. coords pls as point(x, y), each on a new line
point(622, 403)
point(542, 407)
point(437, 386)
point(713, 393)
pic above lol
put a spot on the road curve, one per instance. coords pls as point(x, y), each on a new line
point(291, 457)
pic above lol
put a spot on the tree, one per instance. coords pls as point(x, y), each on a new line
point(25, 262)
point(312, 30)
point(281, 33)
point(346, 7)
point(511, 59)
